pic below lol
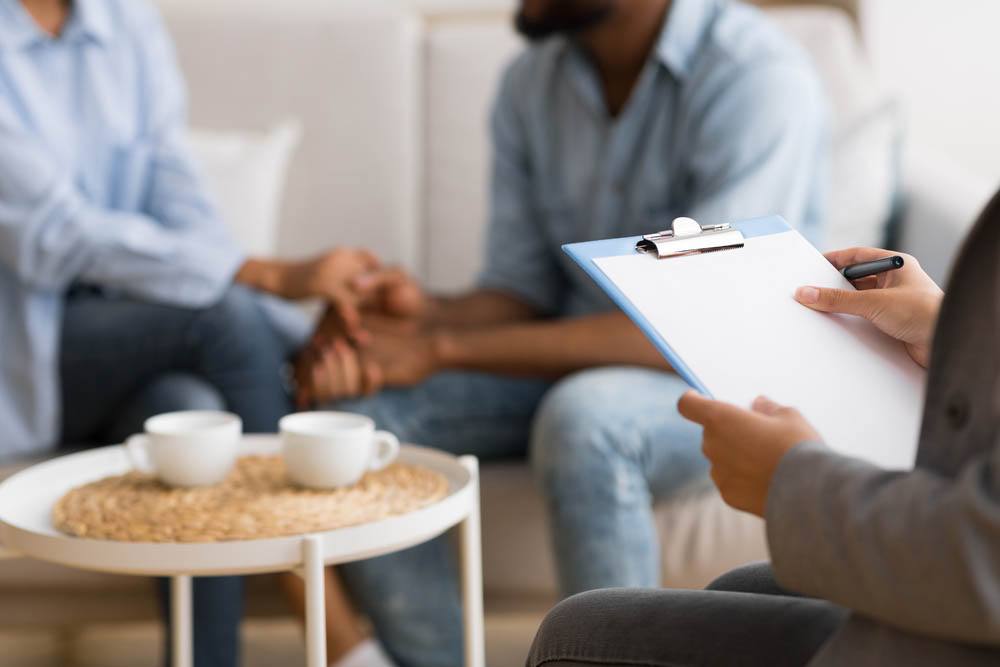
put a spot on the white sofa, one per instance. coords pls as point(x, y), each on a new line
point(391, 102)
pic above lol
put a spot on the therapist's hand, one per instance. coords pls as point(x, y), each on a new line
point(903, 303)
point(745, 446)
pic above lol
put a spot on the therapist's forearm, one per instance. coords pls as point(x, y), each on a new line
point(549, 349)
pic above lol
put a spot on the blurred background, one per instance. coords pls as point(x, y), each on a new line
point(363, 122)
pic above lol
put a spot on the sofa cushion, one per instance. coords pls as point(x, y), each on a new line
point(245, 173)
point(700, 537)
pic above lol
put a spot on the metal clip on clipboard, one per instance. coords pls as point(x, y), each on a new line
point(687, 237)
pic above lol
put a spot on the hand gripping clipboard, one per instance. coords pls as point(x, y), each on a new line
point(678, 242)
point(717, 302)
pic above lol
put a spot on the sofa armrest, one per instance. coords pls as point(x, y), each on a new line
point(940, 203)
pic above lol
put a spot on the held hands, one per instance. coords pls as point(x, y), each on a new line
point(388, 292)
point(332, 372)
point(391, 292)
point(394, 352)
point(390, 347)
point(328, 276)
point(406, 352)
point(745, 446)
point(903, 304)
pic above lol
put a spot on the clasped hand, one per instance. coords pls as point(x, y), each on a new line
point(746, 446)
point(389, 347)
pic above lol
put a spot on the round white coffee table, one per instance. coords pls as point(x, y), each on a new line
point(27, 498)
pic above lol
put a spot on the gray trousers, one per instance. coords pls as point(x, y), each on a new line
point(743, 619)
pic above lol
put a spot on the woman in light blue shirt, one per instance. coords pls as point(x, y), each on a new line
point(121, 294)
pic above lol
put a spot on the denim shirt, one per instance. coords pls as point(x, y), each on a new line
point(96, 187)
point(727, 121)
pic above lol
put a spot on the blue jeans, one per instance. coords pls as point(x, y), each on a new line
point(604, 444)
point(123, 360)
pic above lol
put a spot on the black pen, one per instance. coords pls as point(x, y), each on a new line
point(865, 269)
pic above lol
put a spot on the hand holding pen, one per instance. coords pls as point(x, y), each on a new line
point(891, 290)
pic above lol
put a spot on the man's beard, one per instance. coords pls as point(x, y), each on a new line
point(563, 16)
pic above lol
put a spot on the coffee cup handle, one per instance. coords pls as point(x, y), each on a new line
point(137, 447)
point(386, 450)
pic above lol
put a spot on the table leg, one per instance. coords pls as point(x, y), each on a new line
point(182, 621)
point(472, 574)
point(312, 564)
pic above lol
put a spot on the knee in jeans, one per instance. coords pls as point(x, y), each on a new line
point(574, 434)
point(180, 391)
point(237, 329)
point(167, 393)
point(238, 310)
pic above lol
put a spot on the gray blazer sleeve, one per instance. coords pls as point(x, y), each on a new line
point(914, 550)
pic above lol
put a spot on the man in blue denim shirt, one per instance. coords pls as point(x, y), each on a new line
point(622, 115)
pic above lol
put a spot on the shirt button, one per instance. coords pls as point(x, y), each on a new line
point(618, 187)
point(957, 411)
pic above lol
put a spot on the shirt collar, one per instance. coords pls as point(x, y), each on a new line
point(682, 34)
point(91, 18)
point(88, 19)
point(17, 30)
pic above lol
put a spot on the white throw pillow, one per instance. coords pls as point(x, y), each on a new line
point(245, 172)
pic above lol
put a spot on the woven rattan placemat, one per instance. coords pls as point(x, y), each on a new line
point(255, 501)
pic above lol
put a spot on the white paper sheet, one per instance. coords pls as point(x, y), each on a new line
point(731, 318)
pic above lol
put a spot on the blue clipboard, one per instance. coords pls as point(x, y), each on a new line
point(585, 253)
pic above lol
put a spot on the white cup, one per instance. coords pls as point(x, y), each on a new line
point(324, 450)
point(187, 448)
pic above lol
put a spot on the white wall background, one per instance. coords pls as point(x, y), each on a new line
point(942, 57)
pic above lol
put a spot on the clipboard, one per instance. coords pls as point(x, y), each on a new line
point(726, 320)
point(585, 254)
